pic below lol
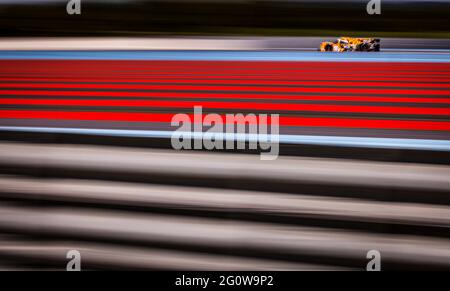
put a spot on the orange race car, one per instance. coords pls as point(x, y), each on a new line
point(349, 44)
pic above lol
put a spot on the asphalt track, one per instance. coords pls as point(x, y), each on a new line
point(388, 99)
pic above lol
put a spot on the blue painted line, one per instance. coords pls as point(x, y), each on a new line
point(227, 56)
point(360, 142)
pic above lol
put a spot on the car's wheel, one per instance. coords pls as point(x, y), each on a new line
point(328, 48)
point(363, 47)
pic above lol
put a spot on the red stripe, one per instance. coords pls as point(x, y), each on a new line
point(264, 89)
point(134, 73)
point(284, 121)
point(231, 105)
point(154, 64)
point(191, 95)
point(273, 89)
point(276, 79)
point(74, 85)
point(142, 68)
point(210, 78)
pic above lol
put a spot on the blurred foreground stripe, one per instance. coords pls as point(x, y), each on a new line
point(129, 208)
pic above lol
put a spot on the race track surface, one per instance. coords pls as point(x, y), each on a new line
point(389, 99)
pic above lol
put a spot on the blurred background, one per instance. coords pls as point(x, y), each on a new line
point(399, 18)
point(86, 161)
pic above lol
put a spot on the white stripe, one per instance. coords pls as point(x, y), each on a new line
point(364, 142)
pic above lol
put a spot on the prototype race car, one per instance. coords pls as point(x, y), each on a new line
point(349, 44)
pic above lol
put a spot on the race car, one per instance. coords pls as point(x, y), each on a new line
point(350, 44)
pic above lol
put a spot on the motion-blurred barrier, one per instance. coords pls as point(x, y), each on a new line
point(221, 211)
